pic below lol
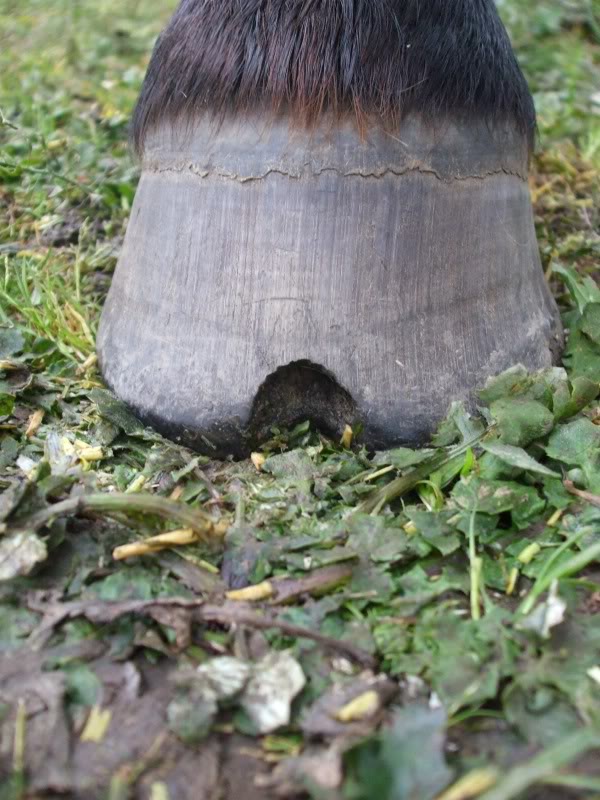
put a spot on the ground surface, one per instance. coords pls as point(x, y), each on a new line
point(425, 624)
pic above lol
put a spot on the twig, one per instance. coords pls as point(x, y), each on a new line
point(594, 499)
point(230, 613)
point(193, 518)
point(128, 774)
point(216, 495)
point(234, 614)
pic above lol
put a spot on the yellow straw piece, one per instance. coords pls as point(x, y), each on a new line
point(555, 518)
point(155, 544)
point(96, 725)
point(258, 460)
point(471, 785)
point(347, 437)
point(34, 423)
point(527, 555)
point(252, 594)
point(365, 705)
point(511, 584)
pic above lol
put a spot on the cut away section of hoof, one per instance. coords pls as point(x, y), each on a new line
point(298, 392)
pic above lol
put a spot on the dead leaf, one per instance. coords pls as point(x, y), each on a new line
point(321, 767)
point(34, 423)
point(322, 718)
point(171, 612)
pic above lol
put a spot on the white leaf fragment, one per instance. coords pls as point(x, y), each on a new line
point(19, 554)
point(267, 699)
point(27, 465)
point(594, 674)
point(546, 615)
point(226, 676)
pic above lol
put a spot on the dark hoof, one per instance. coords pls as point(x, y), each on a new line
point(269, 277)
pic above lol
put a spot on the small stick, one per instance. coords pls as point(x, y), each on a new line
point(214, 492)
point(233, 614)
point(193, 518)
point(594, 499)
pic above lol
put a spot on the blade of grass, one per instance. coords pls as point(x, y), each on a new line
point(570, 567)
point(408, 482)
point(545, 764)
point(475, 567)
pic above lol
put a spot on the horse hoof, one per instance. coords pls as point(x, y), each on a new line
point(271, 275)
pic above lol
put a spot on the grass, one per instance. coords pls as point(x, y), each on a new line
point(467, 576)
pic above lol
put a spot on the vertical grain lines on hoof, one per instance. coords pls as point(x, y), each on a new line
point(298, 392)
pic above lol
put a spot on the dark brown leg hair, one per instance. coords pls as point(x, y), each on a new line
point(376, 59)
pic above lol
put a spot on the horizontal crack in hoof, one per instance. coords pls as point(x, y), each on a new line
point(155, 167)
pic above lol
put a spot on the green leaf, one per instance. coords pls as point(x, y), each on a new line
point(521, 421)
point(541, 714)
point(376, 540)
point(518, 383)
point(556, 494)
point(574, 442)
point(405, 763)
point(12, 342)
point(82, 685)
point(590, 322)
point(9, 451)
point(295, 466)
point(582, 353)
point(192, 713)
point(497, 497)
point(582, 356)
point(569, 402)
point(583, 290)
point(459, 426)
point(434, 528)
point(517, 457)
point(7, 404)
point(116, 412)
point(464, 658)
point(15, 625)
point(508, 384)
point(419, 589)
